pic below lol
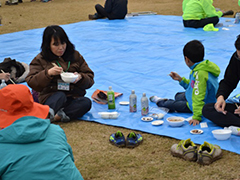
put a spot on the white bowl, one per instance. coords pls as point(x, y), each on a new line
point(222, 134)
point(175, 121)
point(68, 77)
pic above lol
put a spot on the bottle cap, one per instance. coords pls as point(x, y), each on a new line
point(133, 92)
point(144, 94)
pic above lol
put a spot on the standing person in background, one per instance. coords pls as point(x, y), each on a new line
point(58, 54)
point(198, 13)
point(222, 113)
point(113, 9)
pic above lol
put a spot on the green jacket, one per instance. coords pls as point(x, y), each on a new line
point(201, 87)
point(199, 9)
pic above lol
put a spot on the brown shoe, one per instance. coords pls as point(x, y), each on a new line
point(92, 16)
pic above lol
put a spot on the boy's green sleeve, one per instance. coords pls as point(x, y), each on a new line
point(199, 93)
point(184, 83)
point(210, 10)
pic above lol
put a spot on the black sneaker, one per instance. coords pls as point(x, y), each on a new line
point(133, 140)
point(230, 12)
point(92, 16)
point(117, 139)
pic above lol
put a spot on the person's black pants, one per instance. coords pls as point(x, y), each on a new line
point(101, 13)
point(200, 23)
point(230, 119)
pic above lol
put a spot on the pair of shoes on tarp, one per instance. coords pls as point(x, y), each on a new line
point(205, 155)
point(132, 140)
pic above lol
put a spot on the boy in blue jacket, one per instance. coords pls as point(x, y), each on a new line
point(201, 87)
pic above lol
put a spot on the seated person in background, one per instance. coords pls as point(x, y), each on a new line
point(5, 76)
point(222, 113)
point(198, 13)
point(31, 147)
point(201, 87)
point(113, 9)
point(59, 55)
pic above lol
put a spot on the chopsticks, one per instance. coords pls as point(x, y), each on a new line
point(54, 64)
point(236, 105)
point(10, 78)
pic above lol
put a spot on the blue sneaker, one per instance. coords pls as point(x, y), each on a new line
point(118, 139)
point(133, 140)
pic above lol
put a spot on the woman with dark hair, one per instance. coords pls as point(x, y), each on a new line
point(59, 55)
point(222, 113)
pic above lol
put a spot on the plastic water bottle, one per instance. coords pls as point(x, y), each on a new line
point(3, 84)
point(144, 105)
point(133, 102)
point(235, 130)
point(237, 18)
point(111, 98)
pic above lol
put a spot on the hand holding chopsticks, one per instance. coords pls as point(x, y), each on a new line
point(9, 77)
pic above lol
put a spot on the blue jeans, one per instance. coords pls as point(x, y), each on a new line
point(73, 108)
point(177, 105)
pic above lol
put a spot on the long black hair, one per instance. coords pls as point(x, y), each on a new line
point(57, 33)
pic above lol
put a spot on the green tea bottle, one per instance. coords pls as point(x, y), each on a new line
point(111, 98)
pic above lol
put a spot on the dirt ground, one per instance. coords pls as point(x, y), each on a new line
point(31, 15)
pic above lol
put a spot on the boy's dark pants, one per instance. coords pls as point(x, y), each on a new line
point(177, 105)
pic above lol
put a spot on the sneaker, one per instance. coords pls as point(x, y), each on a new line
point(208, 153)
point(62, 114)
point(133, 140)
point(92, 16)
point(118, 139)
point(230, 12)
point(155, 99)
point(185, 149)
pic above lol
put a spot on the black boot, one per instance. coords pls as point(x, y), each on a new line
point(93, 16)
point(230, 12)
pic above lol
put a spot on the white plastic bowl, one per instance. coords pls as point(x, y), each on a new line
point(222, 134)
point(68, 77)
point(175, 121)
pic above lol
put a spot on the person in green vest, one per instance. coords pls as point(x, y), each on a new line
point(198, 13)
